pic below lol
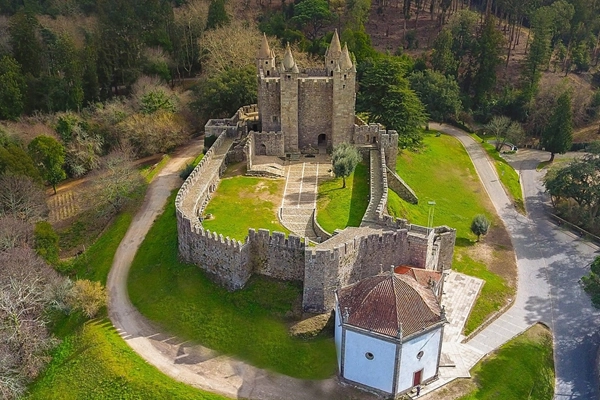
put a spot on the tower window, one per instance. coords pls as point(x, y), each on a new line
point(268, 73)
point(289, 77)
point(344, 76)
point(266, 62)
point(343, 86)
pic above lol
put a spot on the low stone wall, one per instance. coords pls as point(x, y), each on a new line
point(382, 206)
point(400, 187)
point(322, 233)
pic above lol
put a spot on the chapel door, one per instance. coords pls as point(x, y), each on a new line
point(417, 377)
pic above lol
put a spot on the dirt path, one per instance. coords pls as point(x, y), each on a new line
point(192, 364)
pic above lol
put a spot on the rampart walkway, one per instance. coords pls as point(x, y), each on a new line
point(190, 202)
point(376, 189)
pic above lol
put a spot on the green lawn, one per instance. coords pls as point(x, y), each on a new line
point(339, 207)
point(508, 176)
point(250, 323)
point(92, 361)
point(243, 202)
point(95, 363)
point(442, 171)
point(521, 369)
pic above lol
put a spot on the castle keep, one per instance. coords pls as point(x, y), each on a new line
point(303, 112)
point(312, 108)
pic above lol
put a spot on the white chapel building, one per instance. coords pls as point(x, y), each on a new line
point(389, 329)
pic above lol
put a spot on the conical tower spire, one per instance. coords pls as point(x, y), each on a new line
point(335, 48)
point(265, 50)
point(288, 60)
point(345, 61)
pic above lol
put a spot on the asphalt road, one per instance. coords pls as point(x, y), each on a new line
point(550, 263)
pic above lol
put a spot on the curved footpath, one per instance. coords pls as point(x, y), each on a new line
point(195, 365)
point(550, 262)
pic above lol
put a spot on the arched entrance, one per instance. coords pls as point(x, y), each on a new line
point(322, 140)
point(261, 150)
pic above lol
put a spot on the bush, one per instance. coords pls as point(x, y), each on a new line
point(480, 225)
point(591, 282)
point(87, 296)
point(186, 171)
point(46, 242)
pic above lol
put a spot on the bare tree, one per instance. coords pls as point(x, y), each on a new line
point(114, 183)
point(26, 292)
point(22, 198)
point(15, 232)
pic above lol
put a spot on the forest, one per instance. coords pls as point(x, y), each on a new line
point(89, 88)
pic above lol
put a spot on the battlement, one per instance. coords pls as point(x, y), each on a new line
point(275, 238)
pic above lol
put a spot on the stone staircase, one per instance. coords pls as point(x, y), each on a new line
point(267, 170)
point(376, 187)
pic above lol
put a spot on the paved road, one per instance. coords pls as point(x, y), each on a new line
point(550, 262)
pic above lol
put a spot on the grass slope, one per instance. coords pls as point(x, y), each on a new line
point(442, 172)
point(339, 207)
point(248, 323)
point(521, 369)
point(92, 361)
point(243, 202)
point(96, 363)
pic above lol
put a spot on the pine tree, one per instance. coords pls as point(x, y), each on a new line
point(558, 134)
point(217, 14)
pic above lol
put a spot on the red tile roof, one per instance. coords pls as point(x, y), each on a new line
point(423, 276)
point(384, 303)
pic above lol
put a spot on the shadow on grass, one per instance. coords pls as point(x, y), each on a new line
point(360, 195)
point(464, 242)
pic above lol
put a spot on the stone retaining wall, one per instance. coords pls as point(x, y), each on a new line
point(400, 187)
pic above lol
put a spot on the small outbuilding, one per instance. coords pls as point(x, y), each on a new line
point(389, 329)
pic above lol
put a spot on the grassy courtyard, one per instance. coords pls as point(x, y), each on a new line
point(442, 171)
point(250, 324)
point(339, 207)
point(243, 202)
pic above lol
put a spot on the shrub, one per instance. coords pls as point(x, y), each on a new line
point(46, 242)
point(87, 296)
point(480, 225)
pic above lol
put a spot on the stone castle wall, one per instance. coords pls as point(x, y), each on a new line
point(401, 188)
point(315, 101)
point(329, 269)
point(268, 144)
point(322, 268)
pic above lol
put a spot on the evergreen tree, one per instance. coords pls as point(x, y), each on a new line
point(487, 59)
point(13, 88)
point(217, 14)
point(558, 134)
point(385, 95)
point(442, 58)
point(439, 93)
point(25, 45)
point(538, 56)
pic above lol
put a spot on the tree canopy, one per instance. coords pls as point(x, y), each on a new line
point(344, 159)
point(385, 95)
point(49, 157)
point(558, 133)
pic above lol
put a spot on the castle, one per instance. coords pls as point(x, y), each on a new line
point(303, 112)
point(313, 108)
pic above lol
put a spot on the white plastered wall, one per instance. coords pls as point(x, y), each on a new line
point(429, 344)
point(378, 372)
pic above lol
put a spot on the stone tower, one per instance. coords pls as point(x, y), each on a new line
point(289, 72)
point(313, 108)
